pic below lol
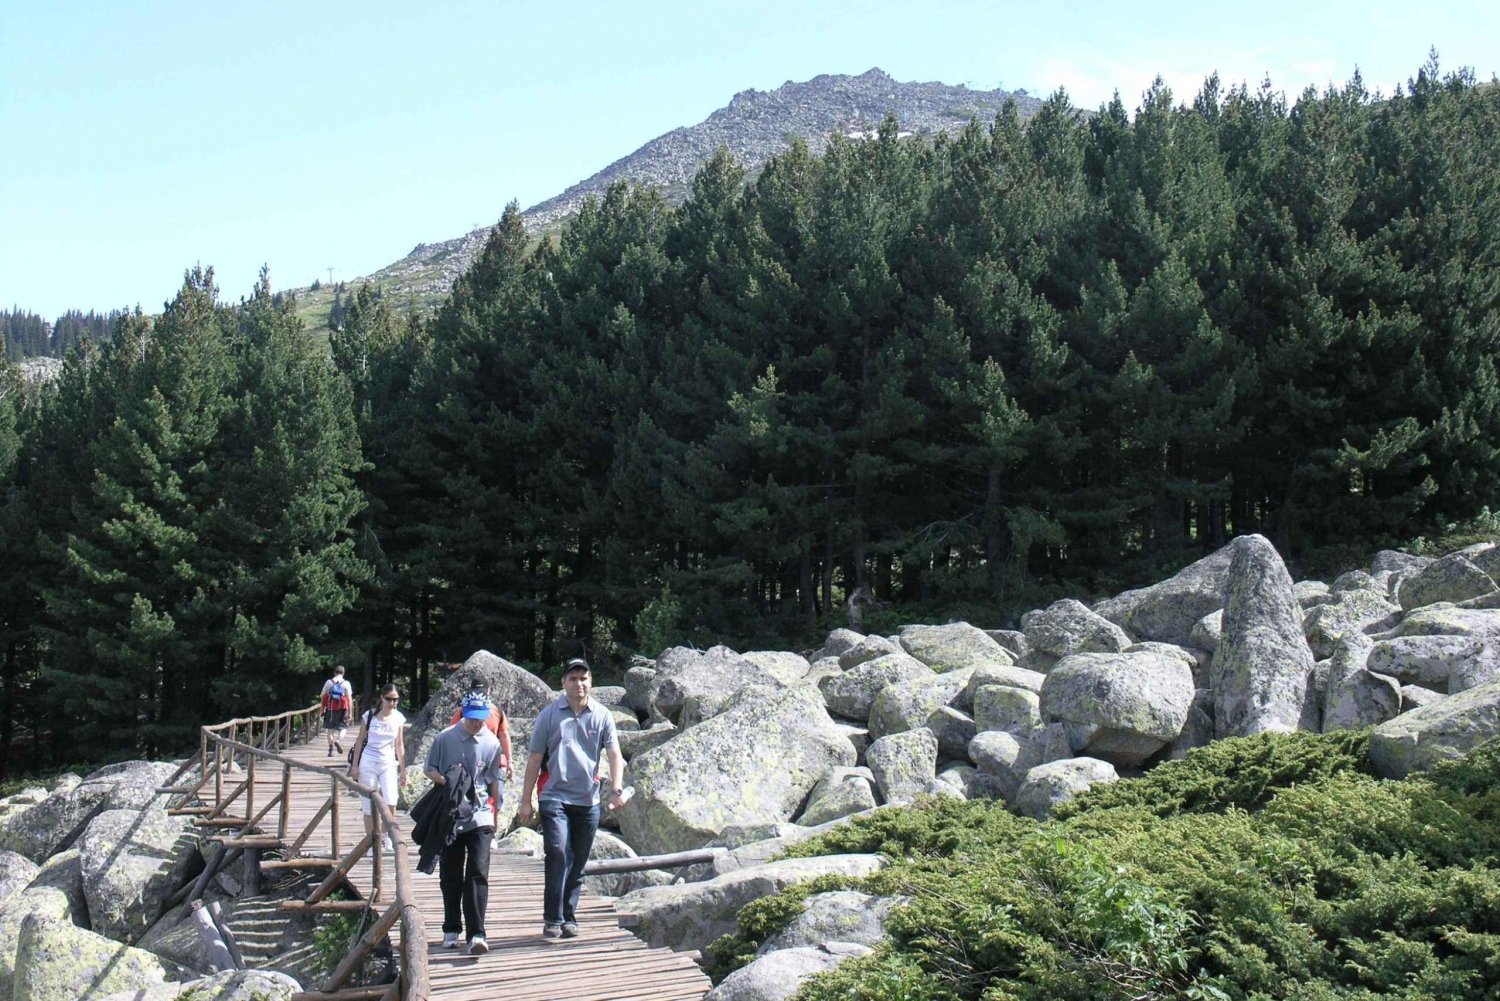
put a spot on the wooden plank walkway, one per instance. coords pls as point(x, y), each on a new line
point(604, 963)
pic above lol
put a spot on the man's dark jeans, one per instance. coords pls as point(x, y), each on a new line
point(567, 837)
point(464, 875)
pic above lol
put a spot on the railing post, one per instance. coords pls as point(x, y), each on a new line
point(250, 787)
point(333, 813)
point(375, 894)
point(218, 772)
point(286, 802)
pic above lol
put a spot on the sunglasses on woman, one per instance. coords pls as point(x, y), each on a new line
point(391, 698)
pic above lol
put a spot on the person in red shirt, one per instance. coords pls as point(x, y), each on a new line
point(498, 726)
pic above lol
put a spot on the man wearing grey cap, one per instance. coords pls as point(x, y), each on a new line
point(570, 735)
point(468, 753)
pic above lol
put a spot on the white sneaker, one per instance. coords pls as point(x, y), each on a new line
point(450, 940)
point(478, 946)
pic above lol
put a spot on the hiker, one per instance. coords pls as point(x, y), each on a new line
point(470, 754)
point(337, 698)
point(380, 754)
point(496, 724)
point(569, 736)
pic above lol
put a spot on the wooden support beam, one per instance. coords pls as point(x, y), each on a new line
point(221, 821)
point(361, 949)
point(325, 905)
point(602, 867)
point(348, 994)
point(223, 804)
point(247, 840)
point(300, 863)
point(296, 846)
point(340, 871)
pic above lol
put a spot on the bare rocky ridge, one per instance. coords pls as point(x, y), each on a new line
point(754, 126)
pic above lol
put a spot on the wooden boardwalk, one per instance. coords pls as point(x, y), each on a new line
point(605, 962)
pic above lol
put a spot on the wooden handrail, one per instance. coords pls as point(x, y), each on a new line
point(414, 984)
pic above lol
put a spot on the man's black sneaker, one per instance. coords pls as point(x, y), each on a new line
point(550, 930)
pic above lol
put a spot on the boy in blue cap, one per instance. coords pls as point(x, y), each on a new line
point(464, 870)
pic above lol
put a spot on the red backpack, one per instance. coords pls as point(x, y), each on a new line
point(338, 695)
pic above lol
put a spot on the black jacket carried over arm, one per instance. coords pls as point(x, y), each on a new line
point(437, 813)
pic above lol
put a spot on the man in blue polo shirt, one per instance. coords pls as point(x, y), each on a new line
point(471, 753)
point(570, 735)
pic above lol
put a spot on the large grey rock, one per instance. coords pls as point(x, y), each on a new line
point(688, 916)
point(1452, 578)
point(1002, 707)
point(700, 686)
point(1122, 707)
point(16, 873)
point(1355, 696)
point(837, 642)
point(231, 985)
point(777, 975)
point(965, 778)
point(1262, 666)
point(1070, 626)
point(633, 742)
point(58, 961)
point(1012, 675)
point(1485, 556)
point(852, 693)
point(838, 916)
point(63, 872)
point(953, 729)
point(867, 649)
point(753, 764)
point(1468, 664)
point(132, 861)
point(1358, 611)
point(1395, 561)
point(1415, 697)
point(1439, 732)
point(903, 763)
point(640, 691)
point(781, 666)
point(1013, 640)
point(1207, 630)
point(55, 823)
point(1167, 611)
point(904, 705)
point(957, 646)
point(1049, 786)
point(843, 791)
point(1198, 731)
point(1311, 593)
point(14, 911)
point(1002, 760)
point(1443, 663)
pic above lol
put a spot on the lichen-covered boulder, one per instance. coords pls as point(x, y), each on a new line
point(1452, 578)
point(1310, 593)
point(1415, 697)
point(55, 823)
point(1011, 675)
point(14, 911)
point(132, 860)
point(867, 649)
point(1168, 610)
point(753, 764)
point(1436, 661)
point(640, 691)
point(1049, 786)
point(953, 729)
point(957, 646)
point(841, 792)
point(1122, 707)
point(688, 916)
point(63, 872)
point(837, 642)
point(1198, 731)
point(1395, 561)
point(781, 666)
point(852, 693)
point(16, 873)
point(905, 705)
point(903, 763)
point(1002, 760)
point(1207, 630)
point(777, 975)
point(1263, 665)
point(1438, 732)
point(633, 742)
point(1070, 626)
point(230, 985)
point(1013, 640)
point(58, 961)
point(701, 685)
point(1358, 611)
point(1003, 707)
point(837, 916)
point(1355, 696)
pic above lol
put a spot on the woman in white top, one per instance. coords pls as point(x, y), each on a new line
point(380, 754)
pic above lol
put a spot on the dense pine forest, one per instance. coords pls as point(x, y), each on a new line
point(949, 377)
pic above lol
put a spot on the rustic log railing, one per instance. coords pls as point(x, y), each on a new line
point(244, 746)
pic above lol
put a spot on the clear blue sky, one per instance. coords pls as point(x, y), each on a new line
point(140, 138)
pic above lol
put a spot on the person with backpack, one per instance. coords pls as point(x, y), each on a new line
point(337, 700)
point(570, 735)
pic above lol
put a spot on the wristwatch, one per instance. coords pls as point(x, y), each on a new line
point(617, 792)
